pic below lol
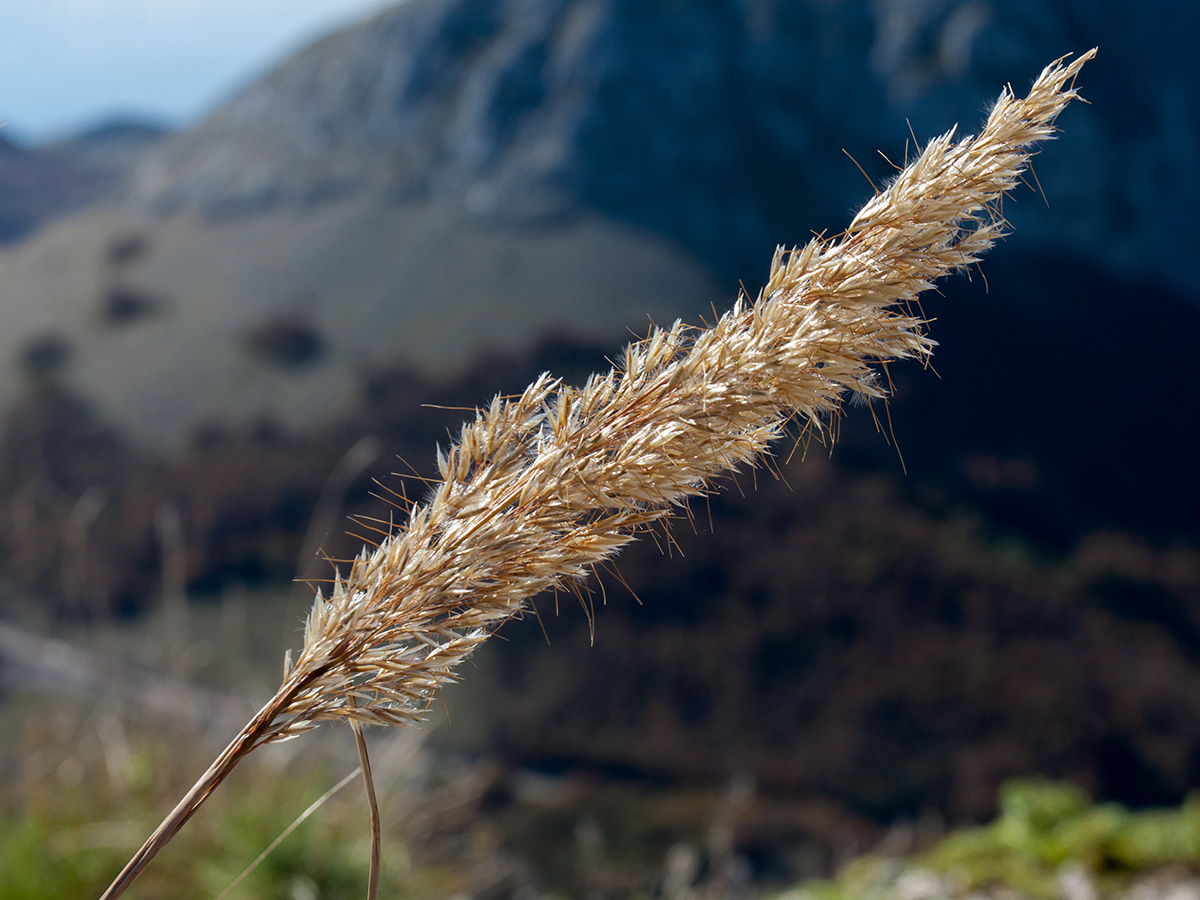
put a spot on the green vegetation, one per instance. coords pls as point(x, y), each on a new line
point(1045, 831)
point(72, 825)
point(63, 842)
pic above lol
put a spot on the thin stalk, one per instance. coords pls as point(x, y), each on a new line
point(296, 823)
point(376, 829)
point(244, 742)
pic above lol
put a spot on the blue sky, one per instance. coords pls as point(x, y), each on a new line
point(65, 64)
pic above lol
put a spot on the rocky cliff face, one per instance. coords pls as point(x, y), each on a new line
point(718, 124)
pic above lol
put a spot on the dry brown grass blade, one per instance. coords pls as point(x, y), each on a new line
point(542, 487)
point(373, 803)
point(246, 740)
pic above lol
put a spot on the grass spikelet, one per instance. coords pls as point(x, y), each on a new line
point(542, 487)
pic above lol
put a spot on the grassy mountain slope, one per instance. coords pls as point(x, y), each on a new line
point(281, 315)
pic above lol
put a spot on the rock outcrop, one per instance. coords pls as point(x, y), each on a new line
point(720, 125)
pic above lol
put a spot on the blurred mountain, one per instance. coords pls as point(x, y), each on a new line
point(458, 174)
point(720, 125)
point(32, 186)
point(40, 182)
point(109, 150)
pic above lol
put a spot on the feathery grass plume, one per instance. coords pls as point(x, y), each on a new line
point(541, 488)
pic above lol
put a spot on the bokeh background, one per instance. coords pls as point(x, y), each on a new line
point(232, 301)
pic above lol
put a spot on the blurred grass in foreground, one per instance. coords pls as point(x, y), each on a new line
point(78, 803)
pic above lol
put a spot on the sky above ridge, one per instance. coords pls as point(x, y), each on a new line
point(69, 64)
